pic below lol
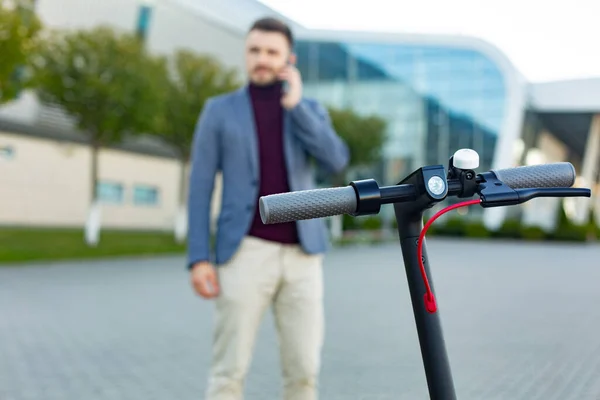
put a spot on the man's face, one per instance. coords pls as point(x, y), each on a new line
point(267, 53)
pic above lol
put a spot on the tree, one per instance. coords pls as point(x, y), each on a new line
point(365, 137)
point(195, 78)
point(107, 81)
point(19, 29)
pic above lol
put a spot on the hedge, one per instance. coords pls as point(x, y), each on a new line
point(456, 226)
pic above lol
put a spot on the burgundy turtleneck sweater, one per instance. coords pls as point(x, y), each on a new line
point(268, 115)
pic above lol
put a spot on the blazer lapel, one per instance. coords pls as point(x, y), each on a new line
point(244, 114)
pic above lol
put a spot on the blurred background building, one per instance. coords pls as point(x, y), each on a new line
point(438, 93)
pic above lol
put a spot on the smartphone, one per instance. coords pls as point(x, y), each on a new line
point(285, 84)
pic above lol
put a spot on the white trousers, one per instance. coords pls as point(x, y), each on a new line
point(263, 274)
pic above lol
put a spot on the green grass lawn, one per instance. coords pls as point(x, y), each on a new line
point(35, 244)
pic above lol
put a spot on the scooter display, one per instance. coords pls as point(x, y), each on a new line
point(418, 192)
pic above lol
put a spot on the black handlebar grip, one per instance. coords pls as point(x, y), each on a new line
point(561, 174)
point(307, 204)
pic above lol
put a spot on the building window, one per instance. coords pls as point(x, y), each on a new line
point(7, 153)
point(143, 21)
point(144, 195)
point(110, 192)
point(435, 98)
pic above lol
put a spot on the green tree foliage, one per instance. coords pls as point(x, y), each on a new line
point(195, 78)
point(19, 29)
point(106, 80)
point(364, 135)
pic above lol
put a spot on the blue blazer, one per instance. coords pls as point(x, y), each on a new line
point(225, 140)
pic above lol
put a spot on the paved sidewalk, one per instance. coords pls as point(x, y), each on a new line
point(522, 321)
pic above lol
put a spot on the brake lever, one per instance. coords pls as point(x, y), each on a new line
point(494, 193)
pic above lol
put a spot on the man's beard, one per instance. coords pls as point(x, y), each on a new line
point(266, 80)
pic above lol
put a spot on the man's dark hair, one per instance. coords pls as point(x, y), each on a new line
point(270, 24)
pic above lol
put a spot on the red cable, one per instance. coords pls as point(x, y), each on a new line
point(430, 303)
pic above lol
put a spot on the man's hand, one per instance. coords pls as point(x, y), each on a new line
point(294, 91)
point(204, 280)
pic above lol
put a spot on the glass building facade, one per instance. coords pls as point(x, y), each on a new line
point(436, 99)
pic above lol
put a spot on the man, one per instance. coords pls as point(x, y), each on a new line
point(262, 137)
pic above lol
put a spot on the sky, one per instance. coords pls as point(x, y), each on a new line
point(546, 40)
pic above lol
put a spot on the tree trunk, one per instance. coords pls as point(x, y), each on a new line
point(181, 217)
point(182, 182)
point(94, 172)
point(92, 228)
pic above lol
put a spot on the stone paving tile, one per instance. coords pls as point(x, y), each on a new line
point(521, 322)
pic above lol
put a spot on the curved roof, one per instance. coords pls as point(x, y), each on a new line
point(566, 109)
point(574, 95)
point(460, 41)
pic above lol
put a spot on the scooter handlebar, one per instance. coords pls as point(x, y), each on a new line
point(327, 202)
point(307, 204)
point(555, 175)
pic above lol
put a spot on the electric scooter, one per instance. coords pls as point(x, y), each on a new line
point(417, 193)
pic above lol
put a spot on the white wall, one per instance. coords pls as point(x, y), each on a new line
point(47, 183)
point(78, 14)
point(173, 27)
point(131, 169)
